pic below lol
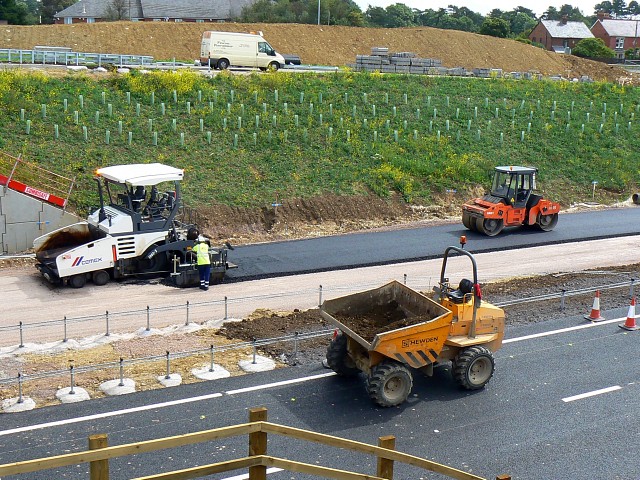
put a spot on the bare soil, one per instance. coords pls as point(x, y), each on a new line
point(316, 216)
point(315, 44)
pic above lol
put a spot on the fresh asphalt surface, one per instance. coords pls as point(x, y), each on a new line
point(527, 422)
point(395, 246)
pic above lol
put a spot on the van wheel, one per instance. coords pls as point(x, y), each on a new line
point(274, 66)
point(223, 64)
point(78, 281)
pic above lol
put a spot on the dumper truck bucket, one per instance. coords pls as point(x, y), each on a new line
point(393, 320)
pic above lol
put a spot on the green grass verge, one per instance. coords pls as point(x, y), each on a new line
point(243, 140)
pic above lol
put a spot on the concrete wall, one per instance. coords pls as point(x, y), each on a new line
point(23, 218)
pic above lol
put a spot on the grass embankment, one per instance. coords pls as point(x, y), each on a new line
point(245, 140)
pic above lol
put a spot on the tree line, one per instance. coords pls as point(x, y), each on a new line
point(516, 23)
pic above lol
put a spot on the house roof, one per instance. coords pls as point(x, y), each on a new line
point(558, 29)
point(85, 8)
point(621, 28)
point(191, 9)
point(203, 9)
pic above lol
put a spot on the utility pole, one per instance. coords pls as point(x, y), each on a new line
point(635, 38)
point(318, 12)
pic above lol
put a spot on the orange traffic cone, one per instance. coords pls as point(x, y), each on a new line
point(595, 310)
point(630, 324)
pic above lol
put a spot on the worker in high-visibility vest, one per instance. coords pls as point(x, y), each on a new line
point(204, 261)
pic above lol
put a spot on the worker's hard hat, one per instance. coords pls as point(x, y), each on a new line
point(201, 238)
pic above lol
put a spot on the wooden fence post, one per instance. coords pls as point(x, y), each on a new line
point(98, 470)
point(385, 466)
point(257, 443)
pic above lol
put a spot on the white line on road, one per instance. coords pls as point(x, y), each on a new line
point(278, 384)
point(245, 476)
point(592, 394)
point(109, 414)
point(160, 405)
point(563, 330)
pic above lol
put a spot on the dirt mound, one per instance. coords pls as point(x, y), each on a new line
point(315, 44)
point(311, 217)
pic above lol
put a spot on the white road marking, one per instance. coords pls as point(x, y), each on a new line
point(563, 330)
point(278, 384)
point(109, 414)
point(160, 405)
point(592, 394)
point(245, 476)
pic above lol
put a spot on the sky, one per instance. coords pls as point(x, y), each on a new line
point(485, 6)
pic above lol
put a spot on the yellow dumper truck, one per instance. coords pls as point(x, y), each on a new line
point(388, 332)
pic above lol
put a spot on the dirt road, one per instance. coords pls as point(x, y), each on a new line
point(30, 299)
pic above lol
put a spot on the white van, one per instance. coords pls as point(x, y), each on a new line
point(224, 49)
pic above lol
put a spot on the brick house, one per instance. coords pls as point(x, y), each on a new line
point(91, 11)
point(559, 35)
point(617, 34)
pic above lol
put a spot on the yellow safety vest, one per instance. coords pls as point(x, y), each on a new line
point(202, 250)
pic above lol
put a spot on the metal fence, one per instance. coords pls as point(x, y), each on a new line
point(57, 57)
point(292, 359)
point(16, 338)
point(35, 177)
point(202, 312)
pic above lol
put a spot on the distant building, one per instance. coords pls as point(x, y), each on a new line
point(617, 34)
point(559, 35)
point(91, 11)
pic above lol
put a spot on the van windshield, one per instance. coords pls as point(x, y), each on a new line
point(264, 47)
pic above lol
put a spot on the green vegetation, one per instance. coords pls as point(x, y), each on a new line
point(593, 48)
point(243, 140)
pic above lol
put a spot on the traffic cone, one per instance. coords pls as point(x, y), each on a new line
point(594, 316)
point(630, 324)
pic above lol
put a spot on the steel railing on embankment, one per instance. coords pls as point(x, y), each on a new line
point(215, 312)
point(67, 57)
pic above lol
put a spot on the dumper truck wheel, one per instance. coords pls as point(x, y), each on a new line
point(546, 223)
point(100, 277)
point(389, 384)
point(78, 281)
point(338, 358)
point(473, 367)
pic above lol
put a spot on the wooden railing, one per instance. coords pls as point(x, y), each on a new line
point(257, 462)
